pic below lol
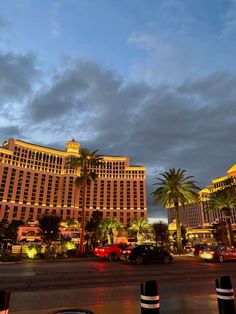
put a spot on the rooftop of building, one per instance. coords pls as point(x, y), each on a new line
point(39, 145)
point(64, 152)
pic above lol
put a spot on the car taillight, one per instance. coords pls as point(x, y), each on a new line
point(102, 250)
point(200, 252)
point(212, 252)
point(128, 252)
point(96, 249)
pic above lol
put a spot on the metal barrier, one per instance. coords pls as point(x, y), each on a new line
point(225, 295)
point(150, 298)
point(4, 302)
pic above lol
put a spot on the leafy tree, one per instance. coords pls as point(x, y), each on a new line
point(3, 227)
point(12, 230)
point(85, 162)
point(108, 227)
point(160, 231)
point(49, 227)
point(224, 200)
point(92, 226)
point(219, 231)
point(175, 190)
point(140, 227)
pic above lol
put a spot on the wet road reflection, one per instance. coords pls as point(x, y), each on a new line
point(106, 287)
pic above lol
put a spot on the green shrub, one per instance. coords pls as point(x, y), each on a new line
point(71, 253)
point(11, 258)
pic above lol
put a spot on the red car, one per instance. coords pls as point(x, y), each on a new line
point(218, 253)
point(111, 252)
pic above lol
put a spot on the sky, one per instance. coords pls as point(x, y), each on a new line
point(153, 80)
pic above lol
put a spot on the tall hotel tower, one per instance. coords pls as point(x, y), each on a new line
point(35, 181)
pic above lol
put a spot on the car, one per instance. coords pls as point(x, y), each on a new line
point(218, 253)
point(146, 253)
point(111, 252)
point(198, 248)
point(189, 248)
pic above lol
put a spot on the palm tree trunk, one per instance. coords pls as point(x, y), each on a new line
point(178, 229)
point(226, 212)
point(109, 239)
point(81, 247)
point(229, 231)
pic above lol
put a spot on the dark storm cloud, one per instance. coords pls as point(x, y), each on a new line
point(190, 126)
point(17, 75)
point(193, 129)
point(214, 87)
point(10, 131)
point(78, 90)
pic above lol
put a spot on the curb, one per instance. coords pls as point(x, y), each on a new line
point(48, 260)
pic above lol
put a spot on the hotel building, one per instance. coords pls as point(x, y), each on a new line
point(195, 215)
point(34, 181)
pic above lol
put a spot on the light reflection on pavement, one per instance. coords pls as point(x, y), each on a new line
point(187, 286)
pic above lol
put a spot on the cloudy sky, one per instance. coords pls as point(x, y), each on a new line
point(154, 80)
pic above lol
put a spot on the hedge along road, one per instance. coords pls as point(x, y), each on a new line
point(42, 287)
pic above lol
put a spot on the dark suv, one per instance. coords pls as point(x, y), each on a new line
point(198, 248)
point(146, 253)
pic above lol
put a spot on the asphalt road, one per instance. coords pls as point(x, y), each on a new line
point(187, 285)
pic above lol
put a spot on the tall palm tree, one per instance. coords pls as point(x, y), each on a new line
point(175, 190)
point(85, 162)
point(108, 227)
point(140, 227)
point(224, 200)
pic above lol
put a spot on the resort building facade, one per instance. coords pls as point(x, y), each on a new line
point(35, 180)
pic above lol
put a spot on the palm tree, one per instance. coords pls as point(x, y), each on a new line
point(224, 200)
point(85, 162)
point(108, 227)
point(140, 227)
point(175, 190)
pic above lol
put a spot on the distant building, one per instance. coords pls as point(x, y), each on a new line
point(28, 233)
point(194, 235)
point(195, 215)
point(35, 181)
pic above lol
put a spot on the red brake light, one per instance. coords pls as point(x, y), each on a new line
point(128, 252)
point(96, 249)
point(212, 252)
point(200, 252)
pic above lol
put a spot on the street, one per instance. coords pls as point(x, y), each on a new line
point(112, 287)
